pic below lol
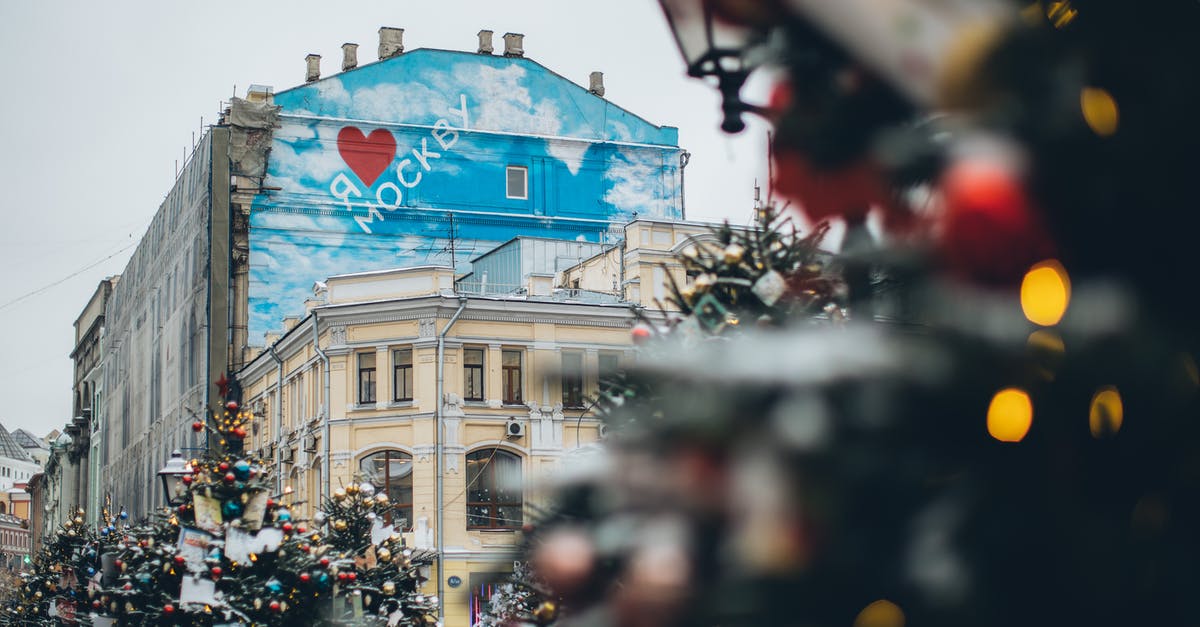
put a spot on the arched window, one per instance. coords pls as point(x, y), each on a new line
point(391, 472)
point(494, 490)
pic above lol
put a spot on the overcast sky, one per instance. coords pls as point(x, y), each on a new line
point(104, 98)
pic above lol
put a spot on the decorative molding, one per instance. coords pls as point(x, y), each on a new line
point(337, 335)
point(427, 327)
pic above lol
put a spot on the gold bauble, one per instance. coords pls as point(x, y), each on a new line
point(67, 524)
point(339, 494)
point(351, 489)
point(384, 555)
point(546, 611)
point(381, 498)
point(734, 253)
point(339, 525)
point(389, 588)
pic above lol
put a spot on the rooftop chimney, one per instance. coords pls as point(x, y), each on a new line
point(314, 68)
point(349, 56)
point(391, 42)
point(485, 42)
point(514, 45)
point(596, 83)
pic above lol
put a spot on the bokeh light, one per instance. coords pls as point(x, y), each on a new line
point(1010, 415)
point(881, 613)
point(1099, 110)
point(1045, 293)
point(1107, 412)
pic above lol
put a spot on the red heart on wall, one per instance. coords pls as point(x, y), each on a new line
point(367, 155)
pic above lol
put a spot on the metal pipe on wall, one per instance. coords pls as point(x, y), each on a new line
point(278, 430)
point(325, 483)
point(440, 457)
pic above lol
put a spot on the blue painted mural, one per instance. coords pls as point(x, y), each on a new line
point(368, 166)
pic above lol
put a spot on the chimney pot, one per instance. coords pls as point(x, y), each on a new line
point(514, 45)
point(391, 42)
point(596, 83)
point(349, 56)
point(314, 68)
point(485, 42)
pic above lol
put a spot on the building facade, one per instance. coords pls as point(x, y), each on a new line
point(390, 354)
point(423, 157)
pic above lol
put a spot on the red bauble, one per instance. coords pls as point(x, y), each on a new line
point(275, 606)
point(990, 231)
point(187, 480)
point(224, 466)
point(96, 604)
point(168, 609)
point(197, 426)
point(301, 529)
point(179, 560)
point(231, 405)
point(304, 548)
point(127, 586)
point(342, 576)
point(351, 576)
point(239, 432)
point(324, 562)
point(270, 503)
point(216, 572)
point(287, 527)
point(849, 191)
point(229, 478)
point(305, 577)
point(641, 333)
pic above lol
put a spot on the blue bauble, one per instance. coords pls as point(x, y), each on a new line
point(104, 531)
point(275, 586)
point(283, 515)
point(231, 509)
point(124, 515)
point(91, 571)
point(241, 469)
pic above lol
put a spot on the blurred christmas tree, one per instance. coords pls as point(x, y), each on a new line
point(1024, 455)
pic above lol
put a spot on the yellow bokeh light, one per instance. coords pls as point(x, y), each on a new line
point(1045, 293)
point(1061, 13)
point(1099, 110)
point(1010, 415)
point(1107, 412)
point(881, 613)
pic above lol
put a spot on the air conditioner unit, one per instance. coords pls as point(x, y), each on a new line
point(602, 430)
point(287, 455)
point(310, 443)
point(514, 429)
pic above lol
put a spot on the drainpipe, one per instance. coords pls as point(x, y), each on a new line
point(278, 430)
point(440, 458)
point(325, 396)
point(685, 158)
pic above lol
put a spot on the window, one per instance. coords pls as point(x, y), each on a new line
point(572, 380)
point(402, 374)
point(391, 473)
point(517, 179)
point(366, 378)
point(473, 374)
point(494, 498)
point(511, 366)
point(609, 365)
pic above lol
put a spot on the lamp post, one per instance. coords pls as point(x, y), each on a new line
point(172, 478)
point(716, 41)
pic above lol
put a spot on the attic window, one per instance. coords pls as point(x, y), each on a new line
point(518, 182)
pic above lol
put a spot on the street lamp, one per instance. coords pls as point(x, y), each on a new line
point(172, 478)
point(716, 39)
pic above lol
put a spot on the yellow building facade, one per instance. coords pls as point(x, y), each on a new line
point(351, 393)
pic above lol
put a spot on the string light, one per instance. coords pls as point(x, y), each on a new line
point(1107, 413)
point(1010, 415)
point(1045, 293)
